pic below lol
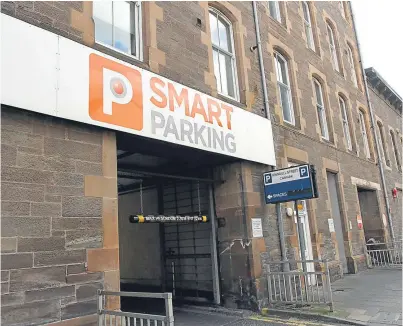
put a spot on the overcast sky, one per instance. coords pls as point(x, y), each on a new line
point(380, 32)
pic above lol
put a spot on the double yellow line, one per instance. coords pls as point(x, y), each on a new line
point(292, 321)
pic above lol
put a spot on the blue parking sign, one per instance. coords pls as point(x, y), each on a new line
point(289, 184)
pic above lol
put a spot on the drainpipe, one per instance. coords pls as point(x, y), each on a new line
point(267, 114)
point(261, 65)
point(372, 118)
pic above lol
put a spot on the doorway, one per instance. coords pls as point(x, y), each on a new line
point(370, 214)
point(304, 219)
point(177, 257)
point(337, 219)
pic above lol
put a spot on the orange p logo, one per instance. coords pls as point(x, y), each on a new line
point(116, 94)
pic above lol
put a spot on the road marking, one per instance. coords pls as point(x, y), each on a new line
point(291, 321)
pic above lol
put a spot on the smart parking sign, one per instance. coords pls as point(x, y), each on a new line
point(294, 183)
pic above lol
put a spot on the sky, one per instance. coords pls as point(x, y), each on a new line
point(380, 33)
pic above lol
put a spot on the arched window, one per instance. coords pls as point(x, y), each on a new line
point(395, 150)
point(274, 8)
point(284, 88)
point(346, 124)
point(321, 109)
point(384, 152)
point(223, 54)
point(332, 46)
point(364, 134)
point(308, 25)
point(351, 62)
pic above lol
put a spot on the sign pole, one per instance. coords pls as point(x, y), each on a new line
point(301, 234)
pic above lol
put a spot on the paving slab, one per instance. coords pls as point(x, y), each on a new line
point(373, 296)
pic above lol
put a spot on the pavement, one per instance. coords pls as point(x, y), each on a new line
point(373, 296)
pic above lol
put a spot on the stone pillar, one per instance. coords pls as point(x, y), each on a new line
point(237, 201)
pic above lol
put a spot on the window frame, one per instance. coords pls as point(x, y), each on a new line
point(236, 96)
point(321, 110)
point(351, 61)
point(364, 133)
point(277, 14)
point(308, 26)
point(383, 143)
point(135, 12)
point(280, 83)
point(333, 47)
point(342, 9)
point(395, 150)
point(346, 122)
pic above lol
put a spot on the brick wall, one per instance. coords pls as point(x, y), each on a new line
point(53, 221)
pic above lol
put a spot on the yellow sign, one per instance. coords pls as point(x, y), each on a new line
point(167, 219)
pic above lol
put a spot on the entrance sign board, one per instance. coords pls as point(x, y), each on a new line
point(289, 184)
point(167, 219)
point(62, 78)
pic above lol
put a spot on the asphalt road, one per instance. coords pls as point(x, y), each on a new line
point(183, 318)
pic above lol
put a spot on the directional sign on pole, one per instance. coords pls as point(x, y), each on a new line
point(289, 184)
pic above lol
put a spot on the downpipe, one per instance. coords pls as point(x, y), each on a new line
point(267, 115)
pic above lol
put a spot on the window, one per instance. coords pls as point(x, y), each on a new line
point(284, 89)
point(118, 25)
point(223, 55)
point(320, 107)
point(333, 50)
point(341, 7)
point(274, 8)
point(352, 65)
point(397, 157)
point(364, 134)
point(308, 25)
point(346, 125)
point(383, 144)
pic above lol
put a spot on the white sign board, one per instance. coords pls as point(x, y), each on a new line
point(285, 175)
point(331, 225)
point(47, 73)
point(257, 229)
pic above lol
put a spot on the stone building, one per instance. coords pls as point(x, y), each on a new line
point(113, 109)
point(387, 106)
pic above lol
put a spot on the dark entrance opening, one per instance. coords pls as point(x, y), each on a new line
point(370, 214)
point(156, 178)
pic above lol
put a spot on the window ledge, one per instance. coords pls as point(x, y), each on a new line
point(328, 142)
point(230, 100)
point(119, 55)
point(279, 23)
point(291, 125)
point(314, 52)
point(339, 73)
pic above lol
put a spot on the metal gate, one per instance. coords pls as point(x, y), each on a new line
point(187, 246)
point(385, 255)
